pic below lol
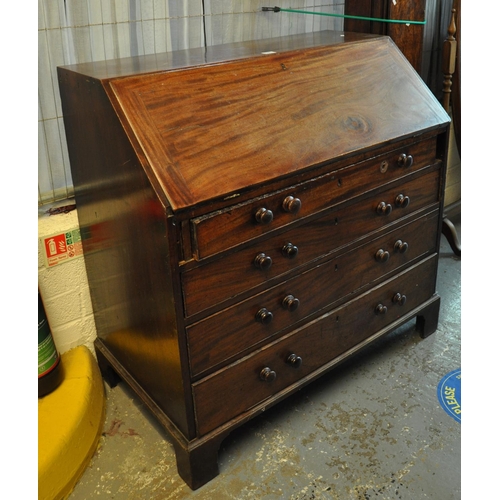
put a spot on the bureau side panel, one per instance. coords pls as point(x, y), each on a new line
point(125, 234)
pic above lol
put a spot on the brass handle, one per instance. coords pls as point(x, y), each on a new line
point(291, 204)
point(262, 262)
point(264, 316)
point(381, 309)
point(264, 216)
point(291, 303)
point(401, 246)
point(382, 255)
point(294, 361)
point(402, 201)
point(405, 161)
point(399, 299)
point(267, 375)
point(289, 251)
point(384, 208)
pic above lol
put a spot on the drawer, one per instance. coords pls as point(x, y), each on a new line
point(235, 273)
point(242, 385)
point(227, 228)
point(260, 317)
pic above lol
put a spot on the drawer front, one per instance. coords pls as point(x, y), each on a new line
point(264, 315)
point(214, 282)
point(221, 230)
point(237, 388)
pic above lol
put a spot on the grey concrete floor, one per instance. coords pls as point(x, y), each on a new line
point(370, 429)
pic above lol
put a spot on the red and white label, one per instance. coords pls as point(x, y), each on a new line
point(61, 247)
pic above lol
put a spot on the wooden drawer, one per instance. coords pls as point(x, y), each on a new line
point(260, 317)
point(237, 388)
point(221, 279)
point(227, 228)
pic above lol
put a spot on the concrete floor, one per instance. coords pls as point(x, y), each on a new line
point(371, 429)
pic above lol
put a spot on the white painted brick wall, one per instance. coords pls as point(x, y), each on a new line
point(64, 288)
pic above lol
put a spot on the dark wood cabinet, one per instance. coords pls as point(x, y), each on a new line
point(408, 37)
point(252, 215)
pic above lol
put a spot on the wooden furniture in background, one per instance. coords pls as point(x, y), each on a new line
point(408, 38)
point(452, 105)
point(252, 215)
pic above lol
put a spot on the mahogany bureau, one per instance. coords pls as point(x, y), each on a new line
point(252, 215)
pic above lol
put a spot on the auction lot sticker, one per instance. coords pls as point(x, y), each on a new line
point(449, 394)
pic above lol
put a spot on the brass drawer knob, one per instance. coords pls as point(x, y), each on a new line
point(402, 201)
point(264, 216)
point(401, 246)
point(294, 361)
point(291, 204)
point(382, 255)
point(405, 161)
point(264, 316)
point(399, 299)
point(267, 375)
point(289, 251)
point(291, 303)
point(381, 309)
point(262, 262)
point(384, 208)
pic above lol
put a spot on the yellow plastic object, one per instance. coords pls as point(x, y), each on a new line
point(70, 422)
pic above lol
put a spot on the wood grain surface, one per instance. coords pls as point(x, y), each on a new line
point(208, 132)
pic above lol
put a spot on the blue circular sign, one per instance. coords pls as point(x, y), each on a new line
point(449, 394)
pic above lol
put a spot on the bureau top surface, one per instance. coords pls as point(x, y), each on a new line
point(207, 130)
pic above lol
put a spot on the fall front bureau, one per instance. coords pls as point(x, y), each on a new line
point(252, 215)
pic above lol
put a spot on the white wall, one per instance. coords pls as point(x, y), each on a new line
point(64, 288)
